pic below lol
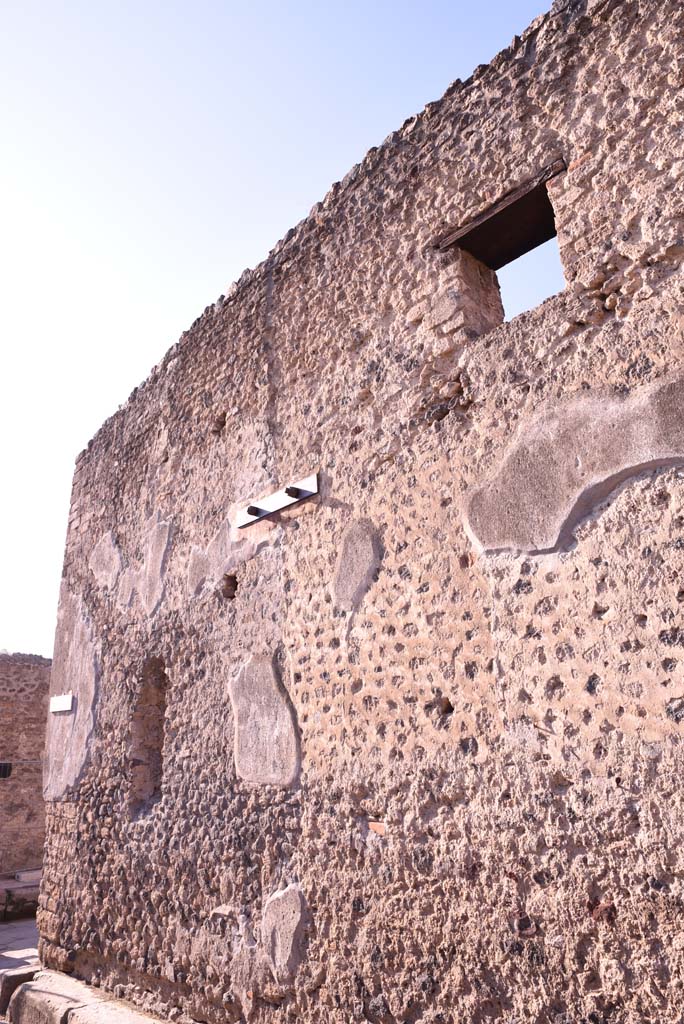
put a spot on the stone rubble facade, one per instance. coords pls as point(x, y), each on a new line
point(24, 688)
point(410, 751)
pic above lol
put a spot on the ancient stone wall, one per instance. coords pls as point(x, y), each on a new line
point(411, 750)
point(24, 686)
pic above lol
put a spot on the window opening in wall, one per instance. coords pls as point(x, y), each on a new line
point(517, 238)
point(5, 769)
point(527, 281)
point(147, 738)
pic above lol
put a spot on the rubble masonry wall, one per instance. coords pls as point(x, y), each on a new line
point(24, 687)
point(425, 764)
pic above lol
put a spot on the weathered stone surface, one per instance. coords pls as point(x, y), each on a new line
point(569, 458)
point(266, 739)
point(46, 997)
point(109, 1012)
point(10, 980)
point(24, 687)
point(357, 563)
point(105, 561)
point(50, 998)
point(75, 669)
point(282, 932)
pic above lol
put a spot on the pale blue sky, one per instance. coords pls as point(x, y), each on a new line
point(151, 152)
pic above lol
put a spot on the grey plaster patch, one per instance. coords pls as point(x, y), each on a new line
point(126, 590)
point(224, 554)
point(146, 581)
point(198, 570)
point(357, 563)
point(151, 585)
point(105, 561)
point(568, 459)
point(266, 736)
point(282, 932)
point(75, 669)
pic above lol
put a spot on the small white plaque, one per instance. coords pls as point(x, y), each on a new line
point(62, 702)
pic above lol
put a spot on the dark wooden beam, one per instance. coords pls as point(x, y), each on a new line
point(514, 225)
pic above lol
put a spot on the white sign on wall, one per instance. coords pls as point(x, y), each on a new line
point(62, 702)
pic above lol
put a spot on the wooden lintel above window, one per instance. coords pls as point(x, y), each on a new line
point(514, 225)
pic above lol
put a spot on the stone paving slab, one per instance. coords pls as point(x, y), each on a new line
point(111, 1012)
point(18, 943)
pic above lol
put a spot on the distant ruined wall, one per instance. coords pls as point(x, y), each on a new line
point(24, 687)
point(411, 750)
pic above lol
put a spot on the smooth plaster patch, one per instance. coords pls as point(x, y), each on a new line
point(152, 575)
point(568, 459)
point(357, 563)
point(282, 932)
point(266, 736)
point(105, 561)
point(147, 581)
point(75, 669)
point(126, 590)
point(223, 554)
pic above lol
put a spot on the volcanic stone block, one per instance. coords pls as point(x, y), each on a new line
point(568, 459)
point(266, 736)
point(50, 998)
point(10, 980)
point(46, 997)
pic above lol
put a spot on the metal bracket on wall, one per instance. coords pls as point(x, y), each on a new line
point(264, 507)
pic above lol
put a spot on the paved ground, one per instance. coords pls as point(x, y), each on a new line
point(18, 941)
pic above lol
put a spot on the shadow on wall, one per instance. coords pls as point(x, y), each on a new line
point(147, 738)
